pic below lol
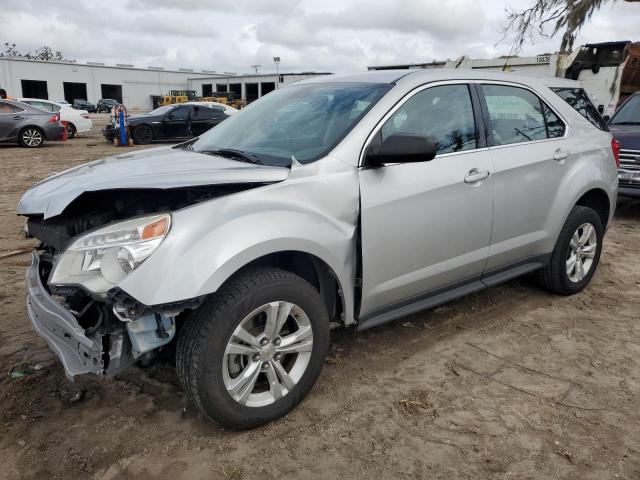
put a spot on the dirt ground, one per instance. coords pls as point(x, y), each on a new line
point(509, 383)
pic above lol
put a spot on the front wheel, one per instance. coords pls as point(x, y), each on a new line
point(71, 130)
point(142, 135)
point(250, 353)
point(575, 257)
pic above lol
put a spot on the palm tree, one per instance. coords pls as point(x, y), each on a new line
point(568, 16)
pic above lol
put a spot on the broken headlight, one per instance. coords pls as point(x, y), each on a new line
point(100, 259)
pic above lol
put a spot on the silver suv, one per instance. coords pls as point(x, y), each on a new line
point(338, 201)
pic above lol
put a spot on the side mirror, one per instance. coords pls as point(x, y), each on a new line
point(401, 148)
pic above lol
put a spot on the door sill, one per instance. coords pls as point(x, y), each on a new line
point(442, 295)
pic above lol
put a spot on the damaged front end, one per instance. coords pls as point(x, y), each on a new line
point(87, 335)
point(74, 301)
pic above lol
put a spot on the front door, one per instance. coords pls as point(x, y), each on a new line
point(11, 118)
point(427, 225)
point(174, 123)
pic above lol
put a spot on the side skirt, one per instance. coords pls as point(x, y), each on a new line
point(451, 292)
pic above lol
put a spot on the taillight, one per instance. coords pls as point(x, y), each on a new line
point(54, 119)
point(615, 146)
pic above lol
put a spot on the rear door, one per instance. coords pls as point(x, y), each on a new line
point(204, 118)
point(427, 225)
point(531, 154)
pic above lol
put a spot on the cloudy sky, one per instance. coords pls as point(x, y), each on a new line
point(327, 35)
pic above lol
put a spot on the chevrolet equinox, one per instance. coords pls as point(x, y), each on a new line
point(336, 201)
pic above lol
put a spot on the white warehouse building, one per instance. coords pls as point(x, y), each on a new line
point(134, 87)
point(246, 87)
point(22, 77)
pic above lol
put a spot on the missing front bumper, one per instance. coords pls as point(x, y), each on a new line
point(58, 326)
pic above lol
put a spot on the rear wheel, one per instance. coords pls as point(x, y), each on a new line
point(254, 350)
point(575, 257)
point(31, 137)
point(142, 135)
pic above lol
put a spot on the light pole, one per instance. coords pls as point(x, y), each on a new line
point(276, 60)
point(256, 67)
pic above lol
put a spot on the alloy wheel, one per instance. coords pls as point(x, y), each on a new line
point(267, 354)
point(32, 137)
point(582, 250)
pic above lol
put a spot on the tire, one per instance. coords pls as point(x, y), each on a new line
point(205, 366)
point(142, 135)
point(563, 276)
point(31, 137)
point(71, 130)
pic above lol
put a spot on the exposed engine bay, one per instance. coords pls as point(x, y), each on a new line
point(117, 329)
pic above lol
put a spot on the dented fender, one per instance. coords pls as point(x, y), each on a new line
point(314, 211)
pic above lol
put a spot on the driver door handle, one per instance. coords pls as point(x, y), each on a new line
point(476, 175)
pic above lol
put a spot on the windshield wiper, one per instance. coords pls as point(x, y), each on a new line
point(234, 154)
point(188, 145)
point(626, 123)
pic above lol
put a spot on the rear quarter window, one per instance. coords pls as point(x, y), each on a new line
point(578, 99)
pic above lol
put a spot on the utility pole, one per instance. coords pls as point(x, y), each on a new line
point(276, 60)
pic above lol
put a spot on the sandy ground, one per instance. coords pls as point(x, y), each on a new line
point(509, 383)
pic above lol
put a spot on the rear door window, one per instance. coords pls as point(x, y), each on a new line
point(517, 115)
point(47, 107)
point(578, 99)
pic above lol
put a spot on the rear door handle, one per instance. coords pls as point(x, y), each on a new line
point(560, 155)
point(18, 117)
point(476, 175)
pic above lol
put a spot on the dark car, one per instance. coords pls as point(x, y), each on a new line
point(80, 104)
point(106, 104)
point(625, 126)
point(170, 122)
point(27, 125)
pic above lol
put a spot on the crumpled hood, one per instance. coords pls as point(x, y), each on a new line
point(163, 168)
point(628, 135)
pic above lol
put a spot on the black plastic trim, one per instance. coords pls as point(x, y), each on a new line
point(442, 295)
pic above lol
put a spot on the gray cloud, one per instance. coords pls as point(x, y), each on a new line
point(231, 35)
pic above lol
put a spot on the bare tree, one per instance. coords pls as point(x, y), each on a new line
point(567, 16)
point(45, 52)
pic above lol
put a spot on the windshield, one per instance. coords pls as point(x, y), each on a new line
point(305, 121)
point(629, 113)
point(161, 110)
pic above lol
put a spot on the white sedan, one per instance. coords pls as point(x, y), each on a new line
point(77, 121)
point(228, 109)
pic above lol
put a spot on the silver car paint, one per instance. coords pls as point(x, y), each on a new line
point(163, 168)
point(12, 123)
point(315, 208)
point(314, 211)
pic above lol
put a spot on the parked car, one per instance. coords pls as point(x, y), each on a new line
point(27, 125)
point(625, 126)
point(80, 104)
point(171, 122)
point(63, 103)
point(375, 196)
point(77, 121)
point(106, 104)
